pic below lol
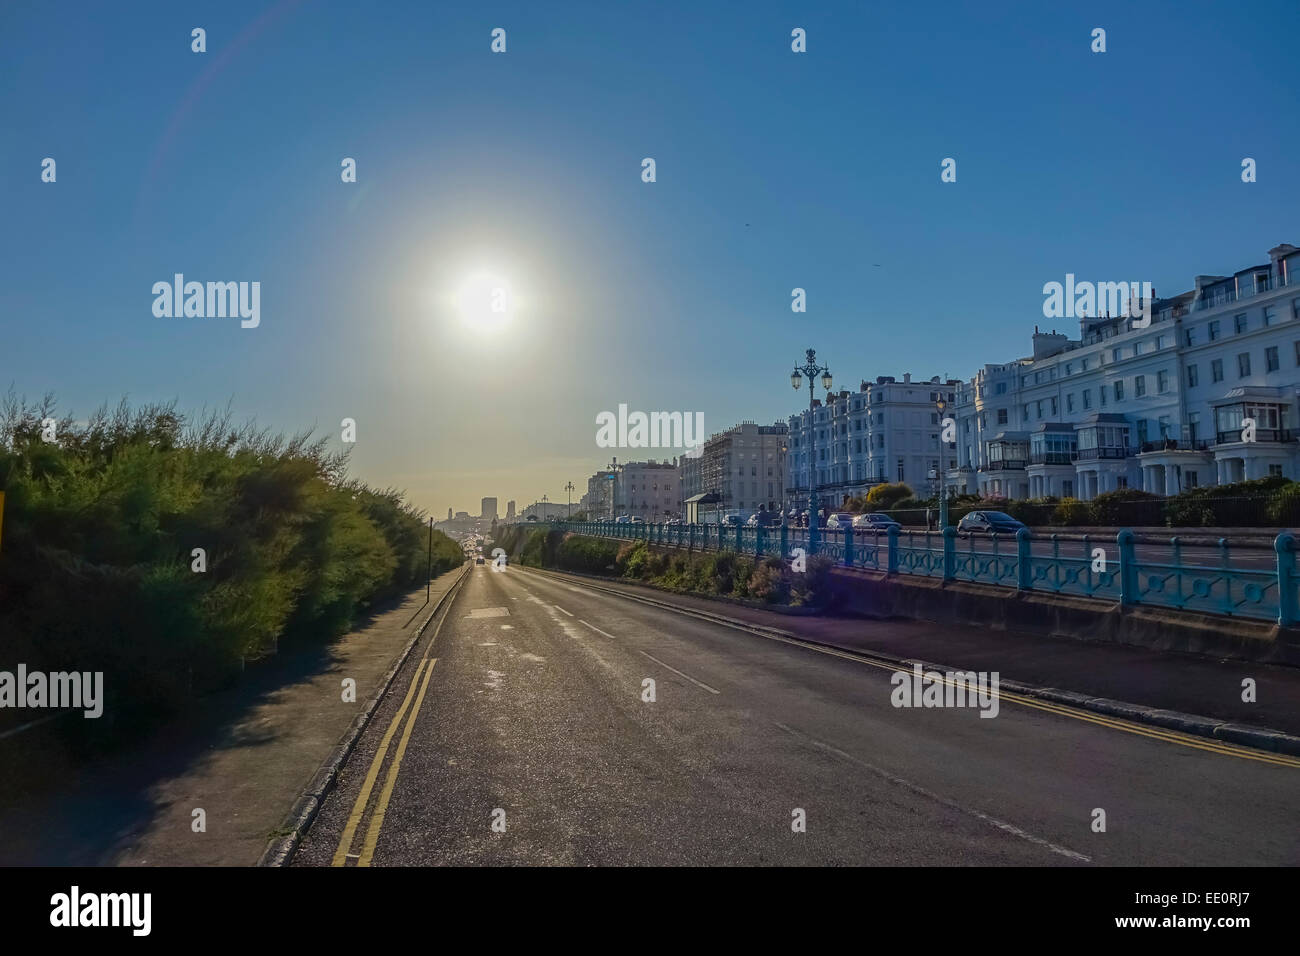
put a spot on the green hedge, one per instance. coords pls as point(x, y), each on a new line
point(99, 528)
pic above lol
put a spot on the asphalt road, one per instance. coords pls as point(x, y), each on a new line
point(531, 714)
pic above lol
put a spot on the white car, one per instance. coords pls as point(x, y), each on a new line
point(838, 521)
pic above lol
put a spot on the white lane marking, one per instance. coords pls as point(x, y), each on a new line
point(574, 590)
point(507, 627)
point(558, 608)
point(598, 630)
point(680, 674)
point(930, 794)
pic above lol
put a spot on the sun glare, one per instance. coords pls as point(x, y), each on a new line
point(485, 301)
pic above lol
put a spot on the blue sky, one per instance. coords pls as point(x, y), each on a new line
point(775, 170)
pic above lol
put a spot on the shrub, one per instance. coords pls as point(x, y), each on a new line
point(100, 527)
point(1072, 512)
point(883, 497)
point(1128, 507)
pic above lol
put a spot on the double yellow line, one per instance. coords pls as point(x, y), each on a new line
point(1114, 723)
point(343, 853)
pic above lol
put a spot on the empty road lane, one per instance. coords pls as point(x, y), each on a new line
point(521, 731)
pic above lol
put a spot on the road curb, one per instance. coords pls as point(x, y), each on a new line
point(299, 819)
point(1260, 738)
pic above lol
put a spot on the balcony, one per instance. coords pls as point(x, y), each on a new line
point(1051, 458)
point(1173, 444)
point(1006, 464)
point(1271, 435)
point(1095, 454)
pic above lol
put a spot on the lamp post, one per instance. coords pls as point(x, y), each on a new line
point(569, 489)
point(943, 487)
point(811, 368)
point(613, 486)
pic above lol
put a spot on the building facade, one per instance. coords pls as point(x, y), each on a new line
point(743, 465)
point(648, 489)
point(1164, 407)
point(887, 431)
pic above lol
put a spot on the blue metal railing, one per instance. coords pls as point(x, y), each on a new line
point(1091, 567)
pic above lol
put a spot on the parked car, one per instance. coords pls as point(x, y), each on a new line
point(732, 521)
point(875, 521)
point(622, 519)
point(989, 522)
point(838, 521)
point(636, 519)
point(479, 559)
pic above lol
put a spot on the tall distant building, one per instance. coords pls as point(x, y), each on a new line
point(489, 512)
point(448, 514)
point(510, 510)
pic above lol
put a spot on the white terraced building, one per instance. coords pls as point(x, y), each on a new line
point(886, 431)
point(1159, 408)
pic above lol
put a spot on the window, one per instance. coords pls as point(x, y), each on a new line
point(1087, 398)
point(1160, 342)
point(1069, 368)
point(1083, 364)
point(1295, 308)
point(1137, 348)
point(1002, 416)
point(1270, 359)
point(1274, 471)
point(1243, 365)
point(1193, 423)
point(1002, 386)
point(1270, 315)
point(1214, 331)
point(1139, 387)
point(1053, 405)
point(1038, 409)
point(900, 472)
point(1101, 396)
point(1190, 337)
point(1193, 373)
point(1069, 402)
point(1119, 390)
point(1162, 381)
point(1239, 323)
point(1216, 370)
point(1116, 354)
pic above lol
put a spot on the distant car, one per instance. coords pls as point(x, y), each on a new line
point(732, 521)
point(622, 519)
point(673, 521)
point(636, 519)
point(875, 521)
point(838, 521)
point(479, 559)
point(989, 522)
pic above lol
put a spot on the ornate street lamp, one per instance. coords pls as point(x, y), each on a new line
point(811, 369)
point(943, 487)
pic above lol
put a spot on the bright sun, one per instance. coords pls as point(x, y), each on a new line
point(485, 301)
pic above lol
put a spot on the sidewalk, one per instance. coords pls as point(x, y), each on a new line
point(244, 762)
point(1168, 680)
